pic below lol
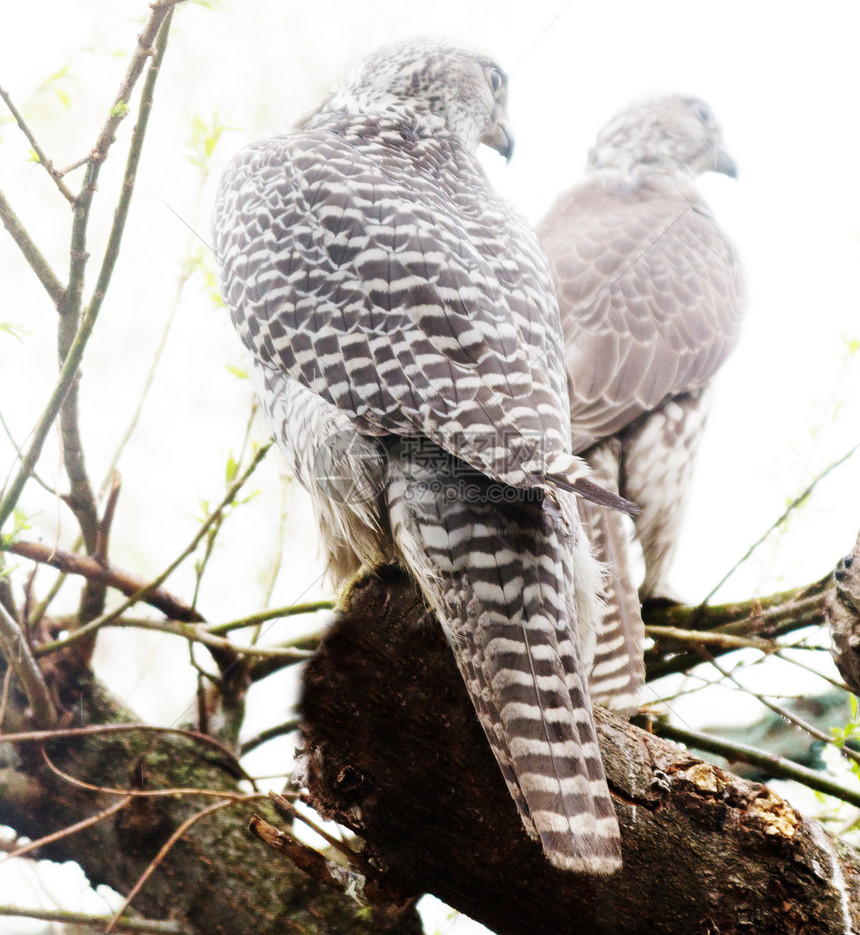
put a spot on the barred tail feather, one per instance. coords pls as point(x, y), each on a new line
point(498, 568)
point(618, 670)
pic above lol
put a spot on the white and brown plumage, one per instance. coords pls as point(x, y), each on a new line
point(407, 346)
point(651, 299)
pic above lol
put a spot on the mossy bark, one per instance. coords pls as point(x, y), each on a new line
point(396, 753)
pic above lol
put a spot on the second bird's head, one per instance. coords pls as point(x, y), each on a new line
point(671, 133)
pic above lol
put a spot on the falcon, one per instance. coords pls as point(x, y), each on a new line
point(651, 298)
point(407, 348)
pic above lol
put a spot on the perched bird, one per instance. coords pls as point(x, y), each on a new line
point(407, 346)
point(651, 300)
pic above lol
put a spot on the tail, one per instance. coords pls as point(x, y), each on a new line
point(618, 671)
point(498, 567)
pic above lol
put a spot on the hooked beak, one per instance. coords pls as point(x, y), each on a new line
point(724, 163)
point(500, 139)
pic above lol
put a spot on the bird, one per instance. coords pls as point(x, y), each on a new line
point(406, 346)
point(651, 296)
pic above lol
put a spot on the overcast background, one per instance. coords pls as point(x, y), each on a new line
point(783, 83)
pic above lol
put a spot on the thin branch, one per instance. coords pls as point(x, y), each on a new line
point(140, 926)
point(770, 616)
point(274, 613)
point(40, 266)
point(788, 716)
point(285, 656)
point(94, 593)
point(46, 487)
point(280, 538)
point(4, 698)
point(39, 736)
point(82, 499)
point(156, 31)
point(279, 730)
point(93, 570)
point(19, 658)
point(774, 764)
point(69, 307)
point(313, 864)
point(177, 834)
point(288, 810)
point(707, 638)
point(173, 792)
point(795, 503)
point(37, 149)
point(146, 590)
point(72, 829)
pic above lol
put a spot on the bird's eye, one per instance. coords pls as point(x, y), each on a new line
point(496, 80)
point(703, 112)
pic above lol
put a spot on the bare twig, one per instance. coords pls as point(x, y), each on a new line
point(177, 834)
point(40, 266)
point(707, 638)
point(64, 916)
point(172, 793)
point(288, 810)
point(305, 858)
point(39, 736)
point(72, 829)
point(4, 698)
point(788, 716)
point(82, 499)
point(21, 661)
point(279, 730)
point(274, 613)
point(285, 656)
point(94, 593)
point(93, 570)
point(148, 589)
point(71, 303)
point(770, 616)
point(56, 177)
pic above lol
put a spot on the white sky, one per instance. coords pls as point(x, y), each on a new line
point(781, 79)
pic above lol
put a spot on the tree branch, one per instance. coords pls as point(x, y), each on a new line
point(40, 266)
point(65, 917)
point(20, 660)
point(395, 753)
point(94, 570)
point(37, 149)
point(216, 880)
point(766, 617)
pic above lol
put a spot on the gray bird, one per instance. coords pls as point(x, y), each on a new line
point(651, 300)
point(406, 342)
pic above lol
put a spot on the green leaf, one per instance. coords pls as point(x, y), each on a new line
point(120, 109)
point(231, 470)
point(239, 372)
point(12, 330)
point(203, 139)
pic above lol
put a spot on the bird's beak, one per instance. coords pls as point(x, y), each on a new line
point(500, 139)
point(724, 163)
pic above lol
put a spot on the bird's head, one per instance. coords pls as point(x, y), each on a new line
point(441, 85)
point(669, 133)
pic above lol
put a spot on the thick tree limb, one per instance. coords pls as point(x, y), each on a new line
point(217, 880)
point(395, 752)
